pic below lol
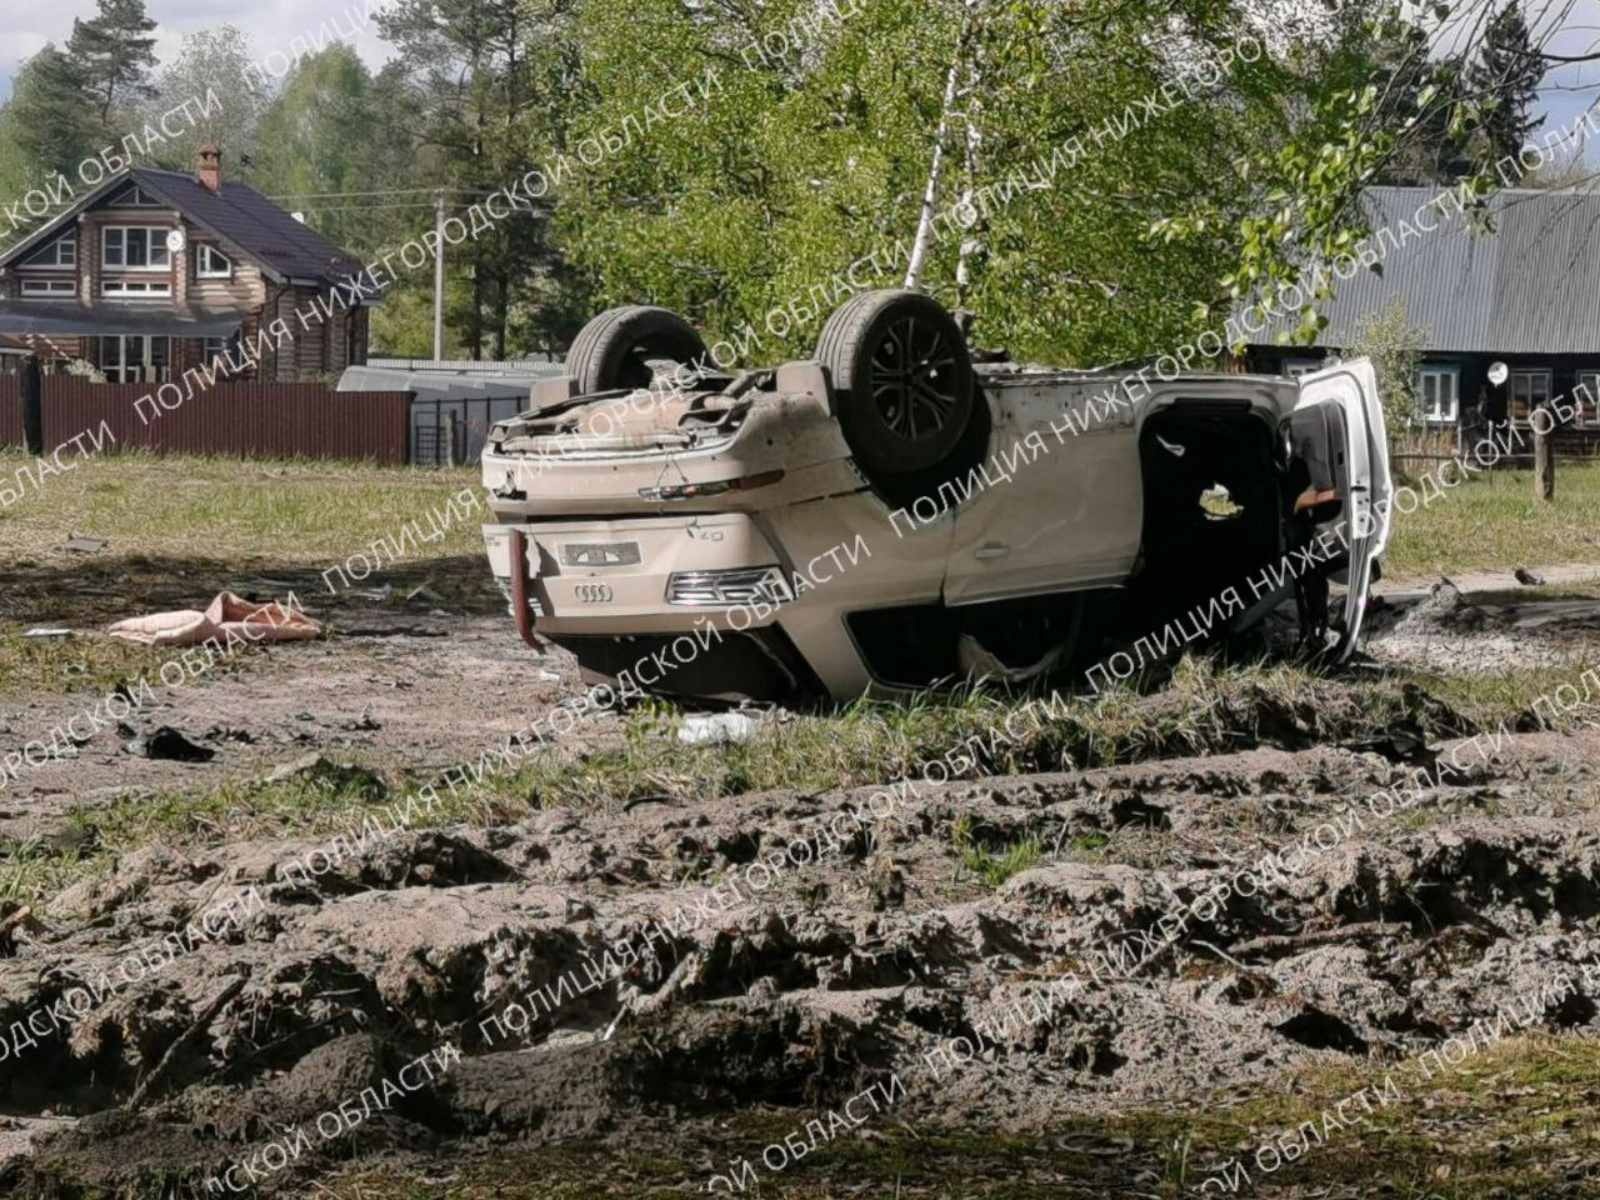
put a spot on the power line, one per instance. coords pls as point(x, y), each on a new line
point(390, 192)
point(316, 208)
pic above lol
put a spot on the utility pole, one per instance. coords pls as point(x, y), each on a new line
point(438, 276)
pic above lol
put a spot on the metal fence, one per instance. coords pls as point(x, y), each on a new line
point(452, 431)
point(469, 366)
point(11, 410)
point(250, 420)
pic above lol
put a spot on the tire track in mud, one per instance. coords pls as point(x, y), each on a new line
point(795, 996)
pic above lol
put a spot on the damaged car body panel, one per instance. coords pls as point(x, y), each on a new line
point(765, 515)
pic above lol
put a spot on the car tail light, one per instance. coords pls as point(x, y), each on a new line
point(728, 589)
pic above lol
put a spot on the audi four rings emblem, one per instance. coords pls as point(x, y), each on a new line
point(594, 593)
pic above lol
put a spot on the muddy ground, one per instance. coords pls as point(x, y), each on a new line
point(784, 1001)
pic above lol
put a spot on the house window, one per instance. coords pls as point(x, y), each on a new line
point(1587, 398)
point(134, 197)
point(48, 289)
point(122, 289)
point(1438, 394)
point(1294, 368)
point(135, 248)
point(1529, 389)
point(135, 359)
point(211, 263)
point(215, 348)
point(59, 254)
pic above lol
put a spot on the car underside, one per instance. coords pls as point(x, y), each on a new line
point(893, 516)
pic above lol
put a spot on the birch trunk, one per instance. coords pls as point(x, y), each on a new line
point(972, 240)
point(930, 198)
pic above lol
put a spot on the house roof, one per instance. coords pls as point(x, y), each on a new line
point(254, 224)
point(1528, 288)
point(239, 215)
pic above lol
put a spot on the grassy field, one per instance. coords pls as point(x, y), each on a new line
point(178, 530)
point(310, 512)
point(222, 508)
point(1494, 523)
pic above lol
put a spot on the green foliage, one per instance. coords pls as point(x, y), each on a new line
point(1376, 108)
point(1118, 193)
point(15, 163)
point(52, 123)
point(214, 60)
point(1395, 347)
point(994, 869)
point(793, 171)
point(317, 138)
point(1508, 72)
point(114, 53)
point(475, 76)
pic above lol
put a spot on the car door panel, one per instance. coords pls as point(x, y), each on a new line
point(1070, 513)
point(1352, 410)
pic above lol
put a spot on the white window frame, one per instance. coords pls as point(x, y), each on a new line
point(1435, 412)
point(123, 289)
point(123, 371)
point(156, 240)
point(135, 197)
point(48, 289)
point(1535, 375)
point(204, 263)
point(1589, 415)
point(67, 241)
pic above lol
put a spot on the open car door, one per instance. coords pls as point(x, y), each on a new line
point(1338, 438)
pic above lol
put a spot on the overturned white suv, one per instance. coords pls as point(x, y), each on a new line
point(892, 515)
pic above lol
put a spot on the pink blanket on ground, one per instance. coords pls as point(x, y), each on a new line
point(227, 617)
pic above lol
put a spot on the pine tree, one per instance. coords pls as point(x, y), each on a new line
point(1508, 71)
point(50, 116)
point(115, 53)
point(468, 66)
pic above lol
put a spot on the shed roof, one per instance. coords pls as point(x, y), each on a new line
point(1530, 287)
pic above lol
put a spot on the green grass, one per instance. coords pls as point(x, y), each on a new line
point(1486, 699)
point(93, 664)
point(994, 869)
point(207, 508)
point(180, 529)
point(1493, 522)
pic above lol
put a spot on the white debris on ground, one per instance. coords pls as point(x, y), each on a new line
point(718, 729)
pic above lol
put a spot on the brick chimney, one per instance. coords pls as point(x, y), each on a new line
point(210, 172)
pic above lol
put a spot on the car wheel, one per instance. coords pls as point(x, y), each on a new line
point(616, 348)
point(902, 380)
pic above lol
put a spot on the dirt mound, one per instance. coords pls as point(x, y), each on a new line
point(605, 973)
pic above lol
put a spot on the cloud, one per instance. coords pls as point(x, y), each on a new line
point(270, 24)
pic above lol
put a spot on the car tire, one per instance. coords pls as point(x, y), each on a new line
point(903, 385)
point(614, 350)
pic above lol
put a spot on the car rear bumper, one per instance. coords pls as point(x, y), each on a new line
point(645, 575)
